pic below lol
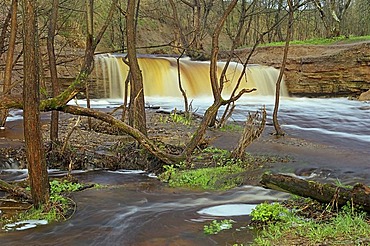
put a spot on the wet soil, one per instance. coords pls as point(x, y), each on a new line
point(107, 148)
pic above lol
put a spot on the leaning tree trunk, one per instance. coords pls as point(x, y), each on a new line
point(211, 112)
point(325, 193)
point(15, 190)
point(36, 160)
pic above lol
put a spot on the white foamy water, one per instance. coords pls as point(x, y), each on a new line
point(24, 225)
point(228, 210)
point(332, 120)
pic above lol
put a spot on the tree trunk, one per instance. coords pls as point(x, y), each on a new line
point(37, 170)
point(325, 193)
point(53, 70)
point(278, 130)
point(9, 59)
point(218, 101)
point(4, 30)
point(137, 118)
point(183, 92)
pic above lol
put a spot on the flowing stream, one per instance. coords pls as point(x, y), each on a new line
point(138, 210)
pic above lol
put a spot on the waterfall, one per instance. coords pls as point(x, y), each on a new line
point(160, 77)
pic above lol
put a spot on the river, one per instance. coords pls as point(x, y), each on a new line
point(137, 209)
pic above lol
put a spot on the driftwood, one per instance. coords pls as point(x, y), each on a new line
point(15, 190)
point(325, 193)
point(253, 129)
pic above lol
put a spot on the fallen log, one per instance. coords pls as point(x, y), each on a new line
point(324, 193)
point(15, 190)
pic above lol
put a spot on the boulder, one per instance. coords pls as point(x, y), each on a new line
point(365, 96)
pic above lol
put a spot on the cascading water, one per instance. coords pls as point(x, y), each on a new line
point(160, 77)
point(334, 120)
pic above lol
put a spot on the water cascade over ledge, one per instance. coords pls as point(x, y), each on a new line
point(160, 77)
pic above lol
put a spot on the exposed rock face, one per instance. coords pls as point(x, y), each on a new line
point(365, 96)
point(315, 71)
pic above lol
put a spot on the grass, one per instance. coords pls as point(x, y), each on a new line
point(323, 41)
point(232, 128)
point(59, 207)
point(348, 227)
point(216, 170)
point(213, 178)
point(177, 117)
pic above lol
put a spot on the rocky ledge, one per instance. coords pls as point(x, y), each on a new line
point(321, 70)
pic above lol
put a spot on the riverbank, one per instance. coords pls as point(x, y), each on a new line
point(131, 205)
point(92, 149)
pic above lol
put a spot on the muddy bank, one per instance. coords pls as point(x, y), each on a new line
point(91, 149)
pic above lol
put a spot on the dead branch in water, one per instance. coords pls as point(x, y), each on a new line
point(15, 190)
point(75, 127)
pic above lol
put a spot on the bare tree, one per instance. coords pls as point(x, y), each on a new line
point(190, 21)
point(53, 69)
point(4, 29)
point(37, 169)
point(183, 92)
point(278, 130)
point(9, 59)
point(137, 117)
point(216, 89)
point(332, 13)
